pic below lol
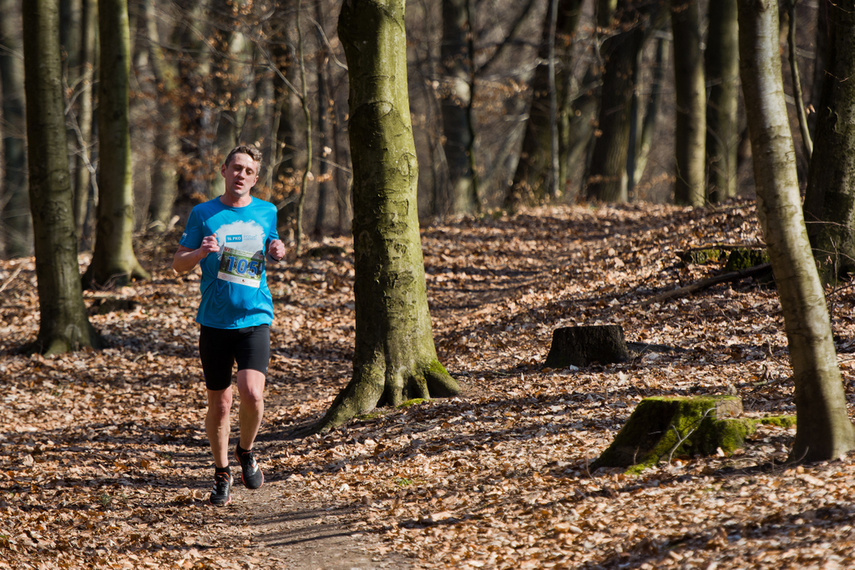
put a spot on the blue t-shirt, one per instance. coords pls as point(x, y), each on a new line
point(234, 281)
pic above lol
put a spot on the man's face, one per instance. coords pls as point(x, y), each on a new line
point(241, 174)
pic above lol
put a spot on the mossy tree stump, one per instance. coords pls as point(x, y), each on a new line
point(664, 427)
point(583, 345)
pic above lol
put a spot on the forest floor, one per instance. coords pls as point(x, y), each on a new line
point(104, 462)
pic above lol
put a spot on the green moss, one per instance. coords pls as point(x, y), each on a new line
point(370, 416)
point(785, 422)
point(661, 428)
point(727, 435)
point(412, 402)
point(744, 258)
point(435, 367)
point(702, 256)
point(665, 427)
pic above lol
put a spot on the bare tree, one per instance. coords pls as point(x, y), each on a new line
point(63, 324)
point(458, 85)
point(14, 204)
point(607, 178)
point(690, 132)
point(830, 197)
point(824, 430)
point(395, 358)
point(534, 169)
point(721, 68)
point(114, 260)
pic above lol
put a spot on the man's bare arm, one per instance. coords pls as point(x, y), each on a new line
point(186, 259)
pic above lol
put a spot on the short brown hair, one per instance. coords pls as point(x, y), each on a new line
point(253, 153)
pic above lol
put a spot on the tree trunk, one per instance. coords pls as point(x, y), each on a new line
point(690, 131)
point(819, 63)
point(84, 191)
point(643, 127)
point(14, 204)
point(830, 197)
point(456, 103)
point(395, 357)
point(606, 179)
point(164, 172)
point(195, 175)
point(722, 75)
point(283, 161)
point(532, 175)
point(324, 178)
point(63, 322)
point(307, 118)
point(113, 260)
point(823, 429)
point(230, 83)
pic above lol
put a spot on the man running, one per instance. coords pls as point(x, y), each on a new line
point(231, 237)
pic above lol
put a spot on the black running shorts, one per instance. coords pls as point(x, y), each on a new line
point(221, 348)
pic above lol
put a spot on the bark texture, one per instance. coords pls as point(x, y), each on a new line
point(63, 324)
point(583, 345)
point(84, 192)
point(607, 177)
point(823, 430)
point(395, 358)
point(830, 197)
point(690, 131)
point(14, 203)
point(722, 76)
point(533, 172)
point(113, 260)
point(164, 172)
point(456, 104)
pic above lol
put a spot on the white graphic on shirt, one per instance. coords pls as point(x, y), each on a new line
point(241, 253)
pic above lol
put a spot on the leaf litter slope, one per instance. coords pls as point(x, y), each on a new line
point(105, 461)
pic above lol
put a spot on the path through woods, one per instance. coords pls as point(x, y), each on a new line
point(105, 463)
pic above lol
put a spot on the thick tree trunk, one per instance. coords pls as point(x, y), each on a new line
point(722, 75)
point(14, 203)
point(830, 197)
point(606, 179)
point(63, 322)
point(456, 105)
point(824, 430)
point(533, 172)
point(690, 131)
point(113, 260)
point(395, 357)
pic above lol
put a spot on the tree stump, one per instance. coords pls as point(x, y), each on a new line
point(664, 427)
point(582, 345)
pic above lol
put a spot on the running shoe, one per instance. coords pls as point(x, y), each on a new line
point(251, 474)
point(221, 493)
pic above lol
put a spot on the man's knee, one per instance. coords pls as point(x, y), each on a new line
point(219, 403)
point(251, 387)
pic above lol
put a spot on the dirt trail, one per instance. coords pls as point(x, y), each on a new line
point(292, 534)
